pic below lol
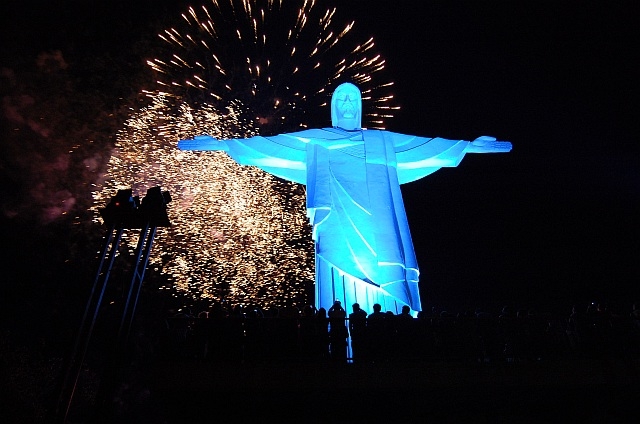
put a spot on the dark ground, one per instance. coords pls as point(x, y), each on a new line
point(559, 391)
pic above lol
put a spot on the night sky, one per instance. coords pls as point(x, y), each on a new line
point(551, 224)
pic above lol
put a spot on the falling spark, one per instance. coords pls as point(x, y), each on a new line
point(237, 233)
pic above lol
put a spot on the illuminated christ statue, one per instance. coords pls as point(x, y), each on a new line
point(364, 251)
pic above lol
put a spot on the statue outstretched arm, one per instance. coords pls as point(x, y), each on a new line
point(486, 144)
point(329, 138)
point(418, 157)
point(203, 143)
point(282, 155)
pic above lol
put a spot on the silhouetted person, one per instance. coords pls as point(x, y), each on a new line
point(308, 332)
point(287, 333)
point(376, 331)
point(424, 339)
point(201, 331)
point(322, 333)
point(405, 334)
point(234, 335)
point(338, 332)
point(357, 332)
point(254, 340)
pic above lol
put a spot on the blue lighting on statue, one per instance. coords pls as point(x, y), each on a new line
point(364, 251)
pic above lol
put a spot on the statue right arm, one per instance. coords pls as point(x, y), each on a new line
point(281, 155)
point(203, 143)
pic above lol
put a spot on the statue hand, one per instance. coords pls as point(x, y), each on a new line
point(203, 142)
point(486, 144)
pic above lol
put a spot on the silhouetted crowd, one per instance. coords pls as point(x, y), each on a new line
point(254, 334)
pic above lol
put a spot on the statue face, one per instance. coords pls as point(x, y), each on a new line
point(346, 107)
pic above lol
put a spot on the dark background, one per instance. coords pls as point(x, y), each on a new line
point(552, 224)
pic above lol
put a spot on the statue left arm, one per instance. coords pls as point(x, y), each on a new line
point(486, 144)
point(418, 157)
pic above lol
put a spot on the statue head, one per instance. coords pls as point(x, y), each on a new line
point(346, 107)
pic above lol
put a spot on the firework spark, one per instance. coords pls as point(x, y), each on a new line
point(235, 69)
point(282, 62)
point(229, 223)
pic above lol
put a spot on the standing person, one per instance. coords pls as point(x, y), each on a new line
point(307, 329)
point(364, 250)
point(322, 334)
point(405, 335)
point(357, 332)
point(338, 332)
point(376, 334)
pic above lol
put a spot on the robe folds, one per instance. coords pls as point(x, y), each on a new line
point(364, 251)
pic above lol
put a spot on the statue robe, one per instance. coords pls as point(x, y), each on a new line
point(364, 251)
